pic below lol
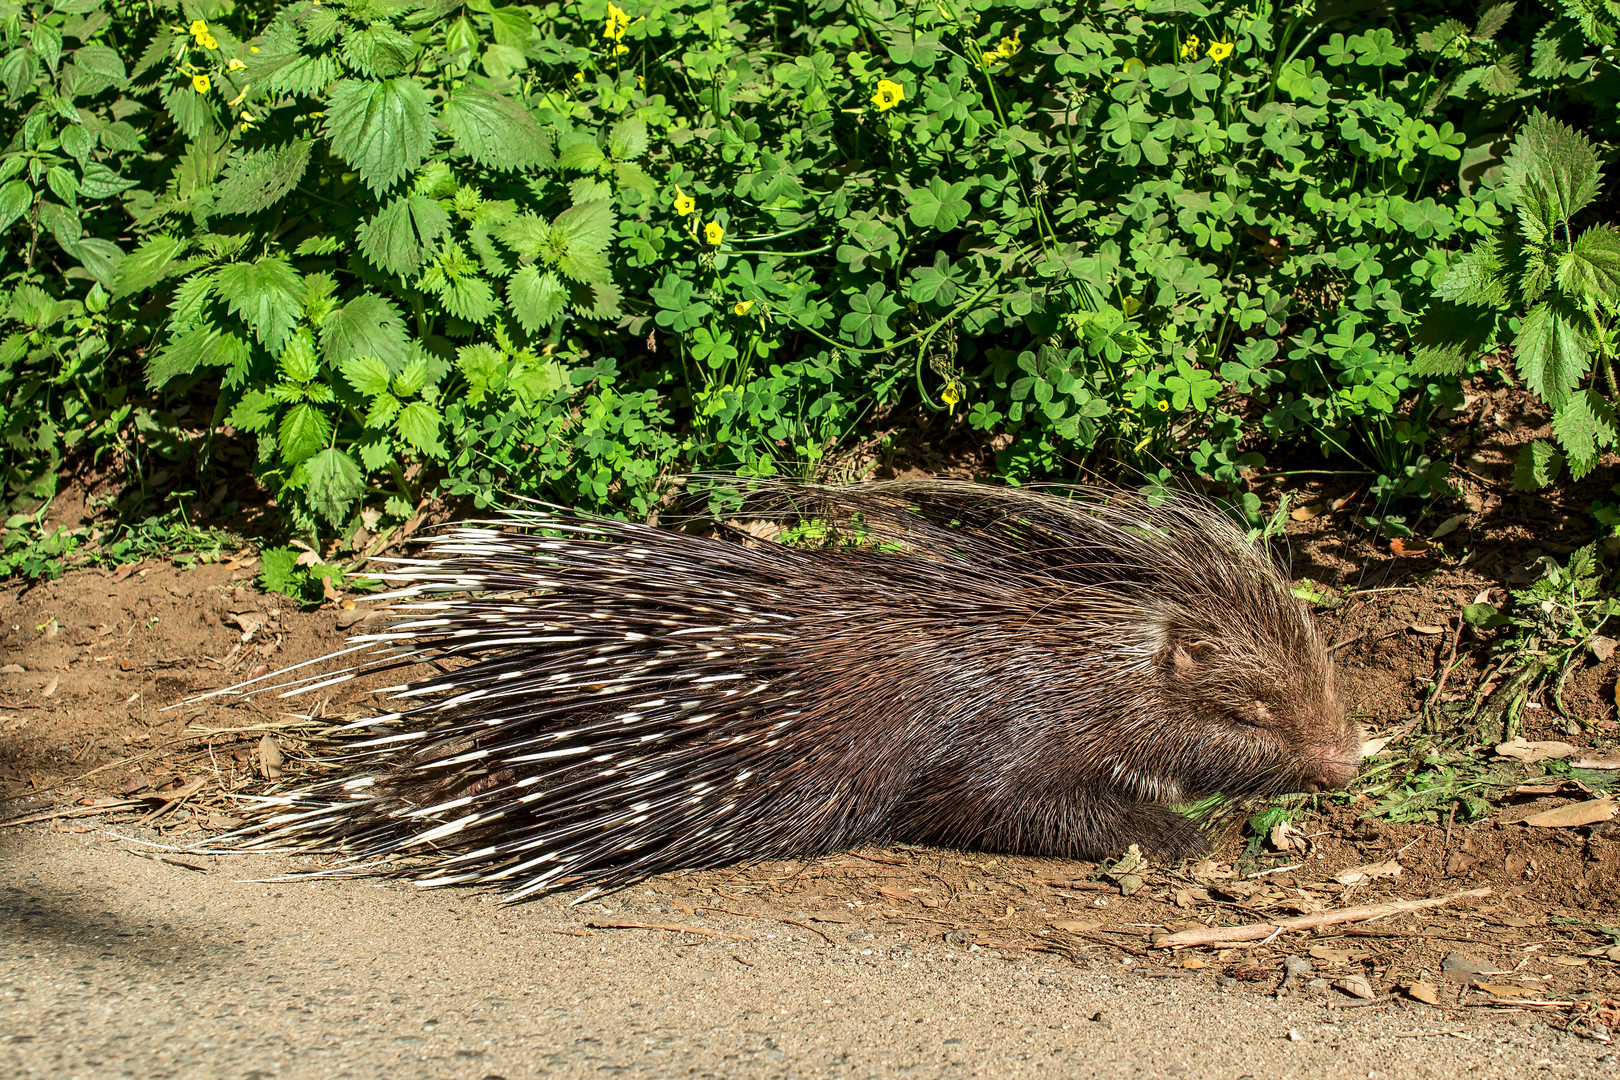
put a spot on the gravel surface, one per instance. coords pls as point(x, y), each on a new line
point(118, 965)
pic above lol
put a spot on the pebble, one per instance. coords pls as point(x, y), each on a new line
point(1295, 1036)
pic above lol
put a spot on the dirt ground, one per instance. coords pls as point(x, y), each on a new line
point(93, 667)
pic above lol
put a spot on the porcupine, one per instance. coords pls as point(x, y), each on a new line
point(956, 664)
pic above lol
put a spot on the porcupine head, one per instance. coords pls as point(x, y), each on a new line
point(1174, 663)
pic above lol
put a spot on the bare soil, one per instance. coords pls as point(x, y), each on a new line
point(96, 666)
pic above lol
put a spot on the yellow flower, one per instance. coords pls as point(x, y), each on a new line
point(207, 41)
point(1005, 49)
point(1219, 50)
point(684, 203)
point(1163, 406)
point(200, 83)
point(253, 48)
point(950, 395)
point(248, 120)
point(198, 28)
point(579, 77)
point(620, 50)
point(235, 65)
point(888, 95)
point(743, 308)
point(713, 233)
point(617, 23)
point(1189, 48)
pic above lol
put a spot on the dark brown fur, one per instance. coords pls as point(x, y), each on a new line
point(956, 664)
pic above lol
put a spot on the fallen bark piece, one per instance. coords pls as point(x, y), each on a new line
point(1256, 931)
point(671, 927)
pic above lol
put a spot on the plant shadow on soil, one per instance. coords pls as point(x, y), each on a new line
point(94, 662)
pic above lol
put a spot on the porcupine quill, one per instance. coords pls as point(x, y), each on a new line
point(954, 664)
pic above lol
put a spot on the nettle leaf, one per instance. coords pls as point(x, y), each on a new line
point(378, 50)
point(304, 430)
point(368, 325)
point(257, 179)
point(1551, 171)
point(1592, 265)
point(367, 374)
point(266, 294)
point(1552, 350)
point(628, 139)
point(537, 297)
point(582, 156)
point(469, 298)
point(1538, 465)
point(383, 128)
point(299, 73)
point(940, 205)
point(418, 425)
point(1481, 277)
point(255, 412)
point(15, 199)
point(148, 264)
point(584, 228)
point(185, 352)
point(1585, 427)
point(1449, 338)
point(495, 130)
point(401, 236)
point(333, 481)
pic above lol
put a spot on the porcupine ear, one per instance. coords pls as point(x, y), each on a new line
point(1182, 658)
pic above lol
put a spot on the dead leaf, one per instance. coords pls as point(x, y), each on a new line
point(1330, 955)
point(1192, 963)
point(1586, 813)
point(1189, 898)
point(1532, 752)
point(1608, 761)
point(50, 687)
point(1356, 986)
point(1422, 991)
point(1602, 647)
point(1209, 870)
point(1425, 628)
point(895, 894)
point(12, 669)
point(1409, 547)
point(1448, 526)
point(269, 757)
point(1286, 837)
point(1076, 927)
point(1358, 874)
point(330, 591)
point(1569, 961)
point(1306, 513)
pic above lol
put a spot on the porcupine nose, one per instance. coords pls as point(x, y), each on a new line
point(1332, 773)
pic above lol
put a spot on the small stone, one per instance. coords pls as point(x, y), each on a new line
point(959, 936)
point(1460, 967)
point(1101, 1019)
point(1294, 1036)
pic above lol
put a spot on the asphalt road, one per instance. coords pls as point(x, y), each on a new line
point(117, 965)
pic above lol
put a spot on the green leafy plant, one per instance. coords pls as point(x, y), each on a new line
point(406, 248)
point(1566, 283)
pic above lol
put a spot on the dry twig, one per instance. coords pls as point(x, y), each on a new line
point(1215, 935)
